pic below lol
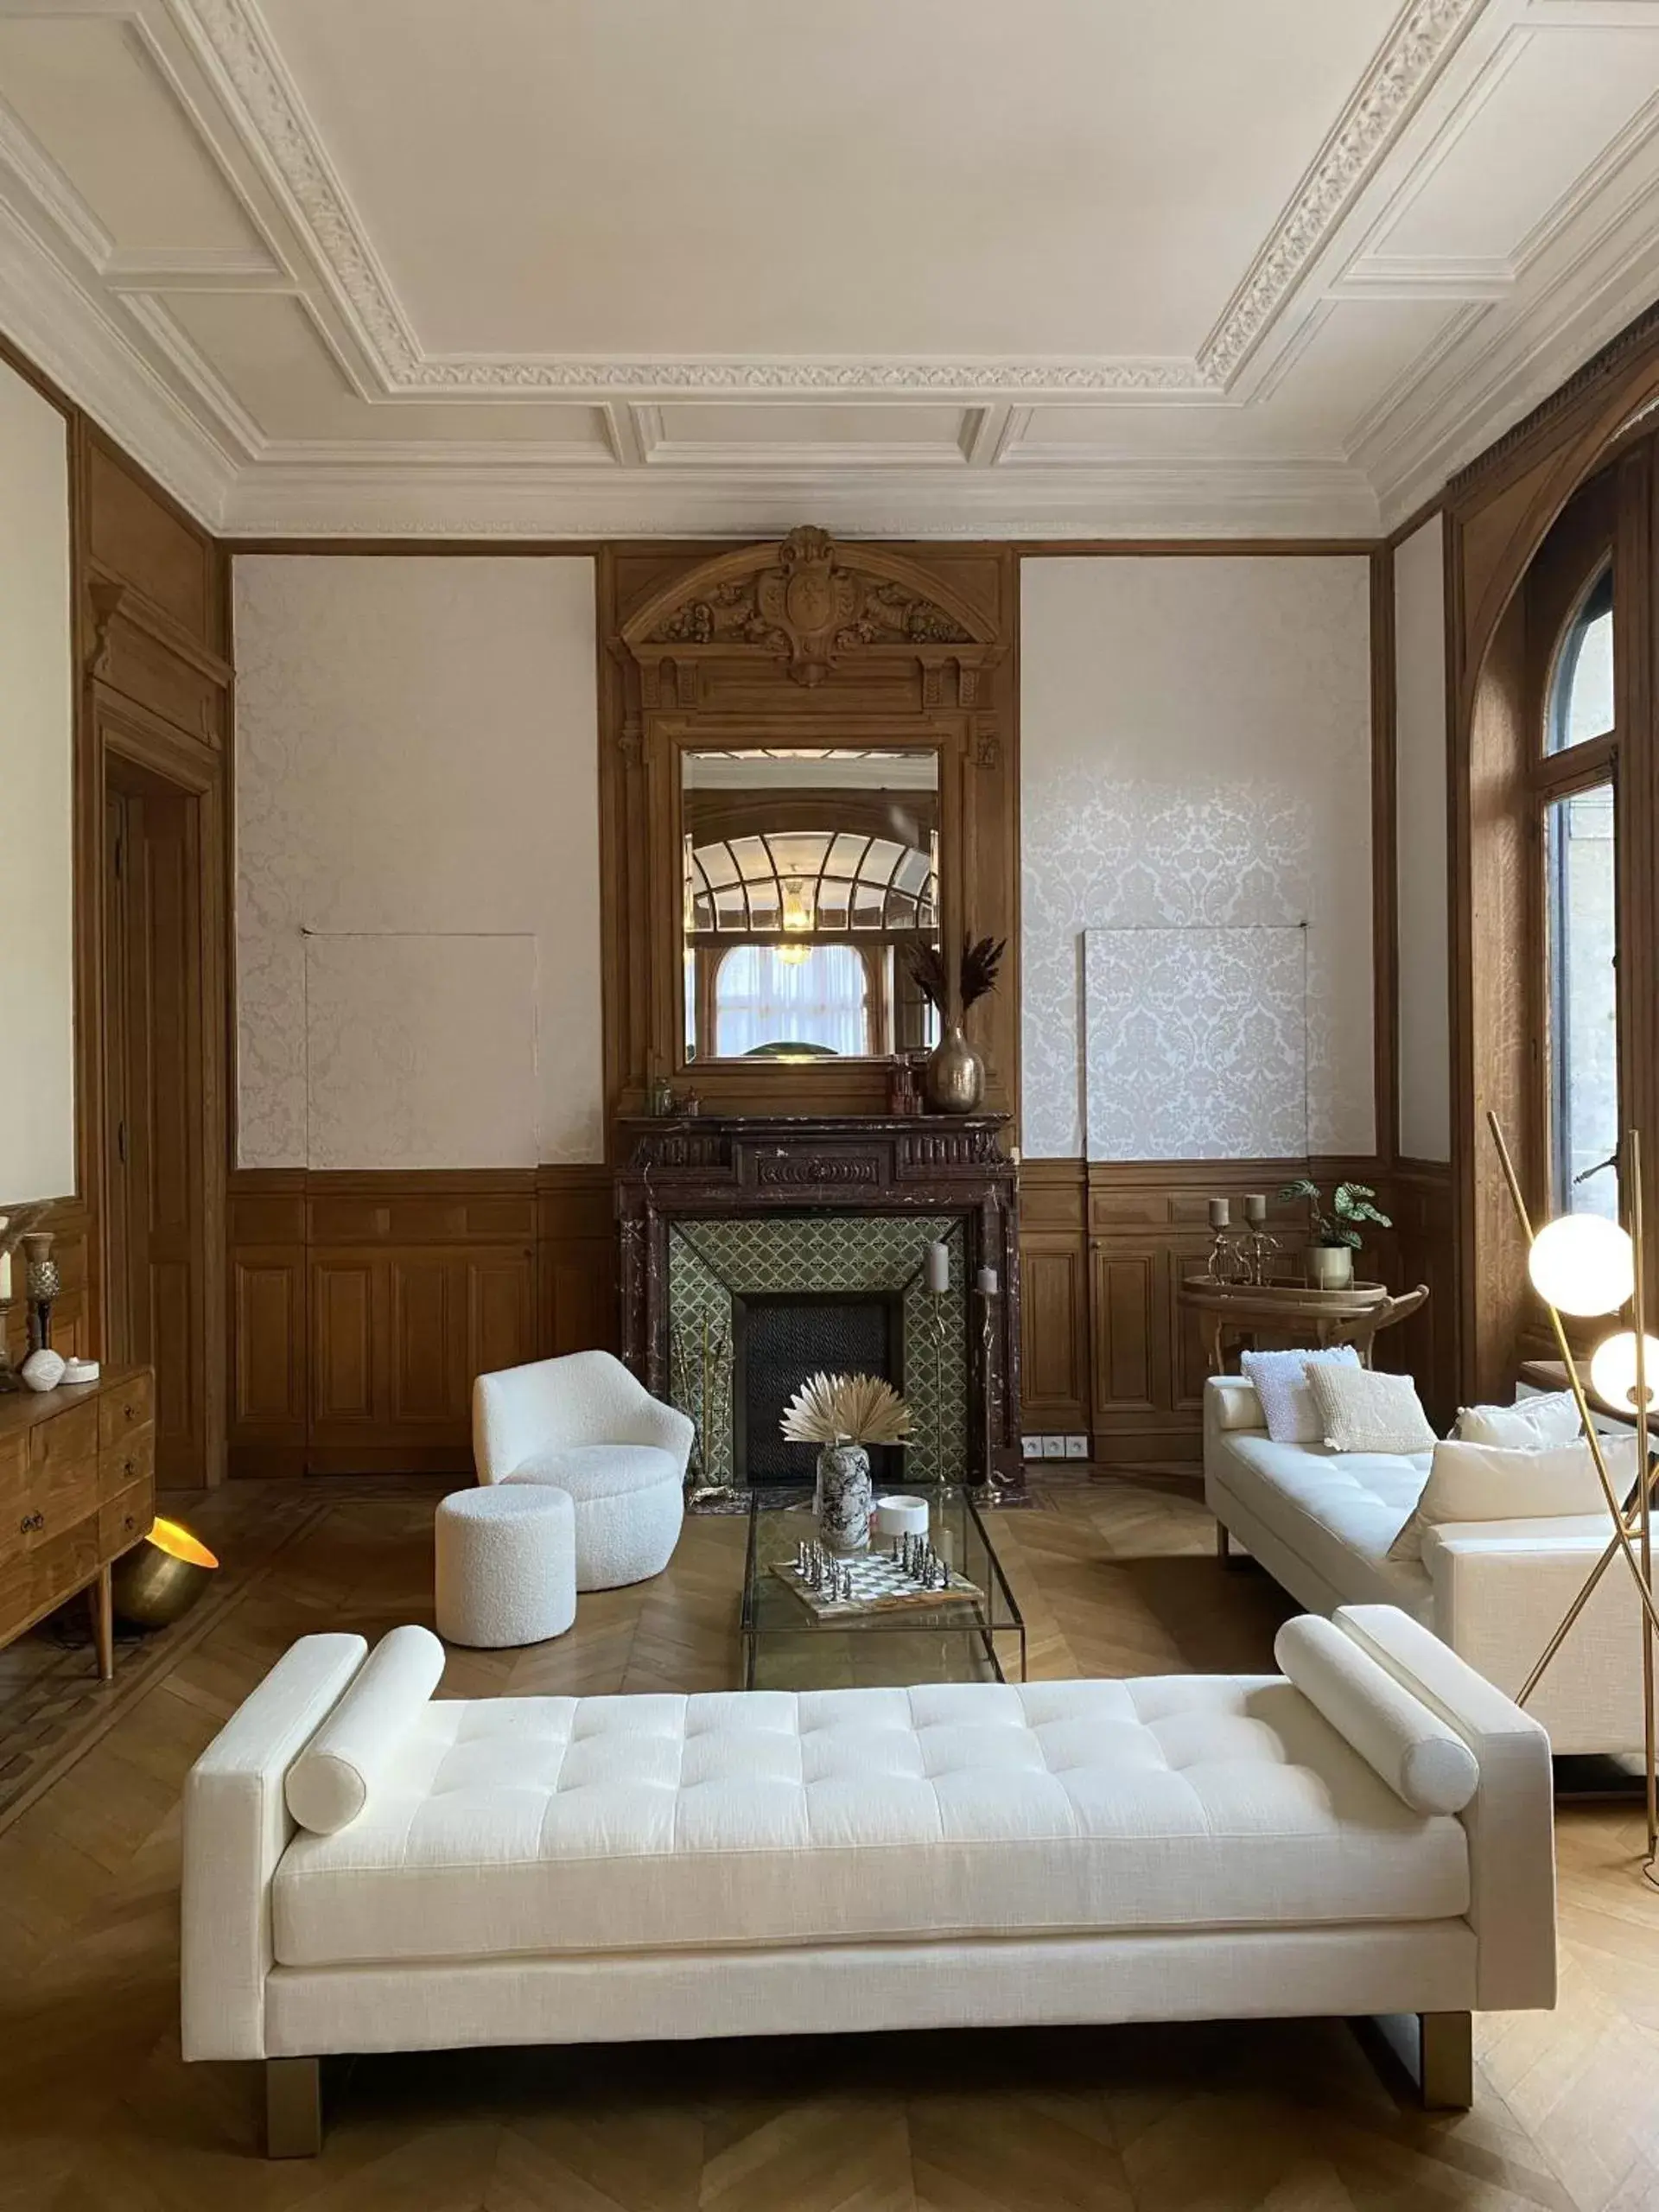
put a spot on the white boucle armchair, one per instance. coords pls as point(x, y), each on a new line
point(584, 1425)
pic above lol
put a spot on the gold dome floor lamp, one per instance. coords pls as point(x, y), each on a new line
point(1586, 1266)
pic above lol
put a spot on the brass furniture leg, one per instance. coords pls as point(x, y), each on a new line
point(104, 1625)
point(1446, 2060)
point(293, 2107)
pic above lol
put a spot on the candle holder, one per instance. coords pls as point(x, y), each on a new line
point(41, 1283)
point(1227, 1262)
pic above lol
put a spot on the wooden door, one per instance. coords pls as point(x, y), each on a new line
point(154, 1162)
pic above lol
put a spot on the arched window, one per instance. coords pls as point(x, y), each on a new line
point(1581, 690)
point(1578, 826)
point(781, 1000)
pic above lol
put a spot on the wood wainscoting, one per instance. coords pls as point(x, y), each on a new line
point(363, 1305)
point(1103, 1247)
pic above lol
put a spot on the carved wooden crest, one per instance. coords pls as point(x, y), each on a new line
point(807, 600)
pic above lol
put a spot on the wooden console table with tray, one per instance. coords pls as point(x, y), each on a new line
point(76, 1489)
point(1320, 1317)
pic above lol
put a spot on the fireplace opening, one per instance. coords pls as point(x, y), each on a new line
point(780, 1340)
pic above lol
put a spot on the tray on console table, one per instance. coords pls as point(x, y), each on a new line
point(76, 1489)
point(1352, 1316)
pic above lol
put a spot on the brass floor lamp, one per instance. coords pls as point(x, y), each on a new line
point(1583, 1265)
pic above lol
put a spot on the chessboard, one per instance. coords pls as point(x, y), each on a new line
point(879, 1583)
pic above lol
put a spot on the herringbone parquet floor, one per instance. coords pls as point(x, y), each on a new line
point(97, 2114)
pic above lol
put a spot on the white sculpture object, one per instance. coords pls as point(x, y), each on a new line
point(43, 1370)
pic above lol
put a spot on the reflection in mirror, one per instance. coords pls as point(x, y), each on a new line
point(809, 873)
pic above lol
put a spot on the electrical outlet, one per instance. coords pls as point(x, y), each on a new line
point(1031, 1447)
point(1077, 1447)
point(1053, 1447)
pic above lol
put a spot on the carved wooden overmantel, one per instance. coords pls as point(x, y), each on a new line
point(804, 640)
point(709, 1168)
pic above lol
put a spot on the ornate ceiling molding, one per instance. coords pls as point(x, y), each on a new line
point(1420, 45)
point(233, 44)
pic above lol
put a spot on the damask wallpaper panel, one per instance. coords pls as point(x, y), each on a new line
point(421, 1049)
point(1196, 1043)
point(416, 754)
point(1422, 831)
point(1195, 753)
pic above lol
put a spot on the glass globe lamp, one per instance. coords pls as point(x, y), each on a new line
point(1612, 1370)
point(1582, 1264)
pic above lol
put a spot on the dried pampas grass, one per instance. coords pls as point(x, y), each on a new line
point(845, 1409)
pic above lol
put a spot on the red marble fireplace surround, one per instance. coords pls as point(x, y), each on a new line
point(720, 1167)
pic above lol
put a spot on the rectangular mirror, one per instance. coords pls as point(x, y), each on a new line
point(808, 874)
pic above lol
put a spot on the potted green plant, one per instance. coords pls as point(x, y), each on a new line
point(1336, 1235)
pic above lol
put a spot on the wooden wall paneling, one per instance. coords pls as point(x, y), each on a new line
point(1054, 1295)
point(365, 1303)
point(1385, 960)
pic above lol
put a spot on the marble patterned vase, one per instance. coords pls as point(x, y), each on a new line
point(844, 1499)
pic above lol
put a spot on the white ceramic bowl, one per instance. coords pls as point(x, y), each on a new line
point(901, 1516)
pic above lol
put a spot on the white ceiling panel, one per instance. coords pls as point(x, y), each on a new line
point(1556, 103)
point(775, 175)
point(87, 92)
point(690, 424)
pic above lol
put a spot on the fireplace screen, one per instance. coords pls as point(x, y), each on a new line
point(777, 1342)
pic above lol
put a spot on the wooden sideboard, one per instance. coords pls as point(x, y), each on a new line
point(76, 1489)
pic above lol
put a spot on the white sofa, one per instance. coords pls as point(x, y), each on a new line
point(583, 1425)
point(1369, 1833)
point(1322, 1523)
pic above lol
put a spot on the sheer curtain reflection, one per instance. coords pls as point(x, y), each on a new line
point(763, 997)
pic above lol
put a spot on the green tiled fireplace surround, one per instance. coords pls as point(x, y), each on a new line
point(711, 1263)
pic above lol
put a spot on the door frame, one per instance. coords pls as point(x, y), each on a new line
point(122, 730)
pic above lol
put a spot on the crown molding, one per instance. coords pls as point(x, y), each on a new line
point(68, 337)
point(356, 493)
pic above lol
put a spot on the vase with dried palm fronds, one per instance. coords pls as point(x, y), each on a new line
point(843, 1415)
point(953, 1076)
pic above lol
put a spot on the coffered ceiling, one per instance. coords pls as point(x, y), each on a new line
point(1067, 267)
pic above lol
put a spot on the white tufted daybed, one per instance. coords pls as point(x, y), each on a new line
point(368, 1869)
point(1322, 1523)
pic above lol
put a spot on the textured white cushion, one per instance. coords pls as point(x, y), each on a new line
point(505, 1566)
point(1366, 1409)
point(1339, 1512)
point(592, 1470)
point(1490, 1481)
point(1550, 1417)
point(330, 1782)
point(1424, 1762)
point(553, 1825)
point(1280, 1381)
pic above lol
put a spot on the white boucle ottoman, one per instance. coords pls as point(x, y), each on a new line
point(506, 1565)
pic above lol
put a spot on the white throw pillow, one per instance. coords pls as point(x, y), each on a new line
point(1362, 1409)
point(1280, 1381)
point(1492, 1482)
point(1551, 1417)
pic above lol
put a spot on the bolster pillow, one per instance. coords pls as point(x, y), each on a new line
point(1427, 1766)
point(330, 1782)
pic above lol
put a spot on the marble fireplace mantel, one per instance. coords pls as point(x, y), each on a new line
point(721, 1167)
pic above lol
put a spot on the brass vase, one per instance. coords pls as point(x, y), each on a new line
point(953, 1076)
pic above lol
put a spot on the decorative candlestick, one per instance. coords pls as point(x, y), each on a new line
point(43, 1284)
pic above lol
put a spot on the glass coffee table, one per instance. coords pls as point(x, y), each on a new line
point(966, 1640)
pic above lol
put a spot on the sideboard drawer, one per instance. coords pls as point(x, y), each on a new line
point(124, 1519)
point(14, 1482)
point(131, 1458)
point(127, 1409)
point(59, 1449)
point(32, 1582)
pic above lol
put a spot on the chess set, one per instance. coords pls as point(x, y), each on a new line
point(911, 1573)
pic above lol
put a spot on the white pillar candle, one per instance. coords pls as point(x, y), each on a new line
point(937, 1268)
point(1255, 1205)
point(985, 1281)
point(1220, 1214)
